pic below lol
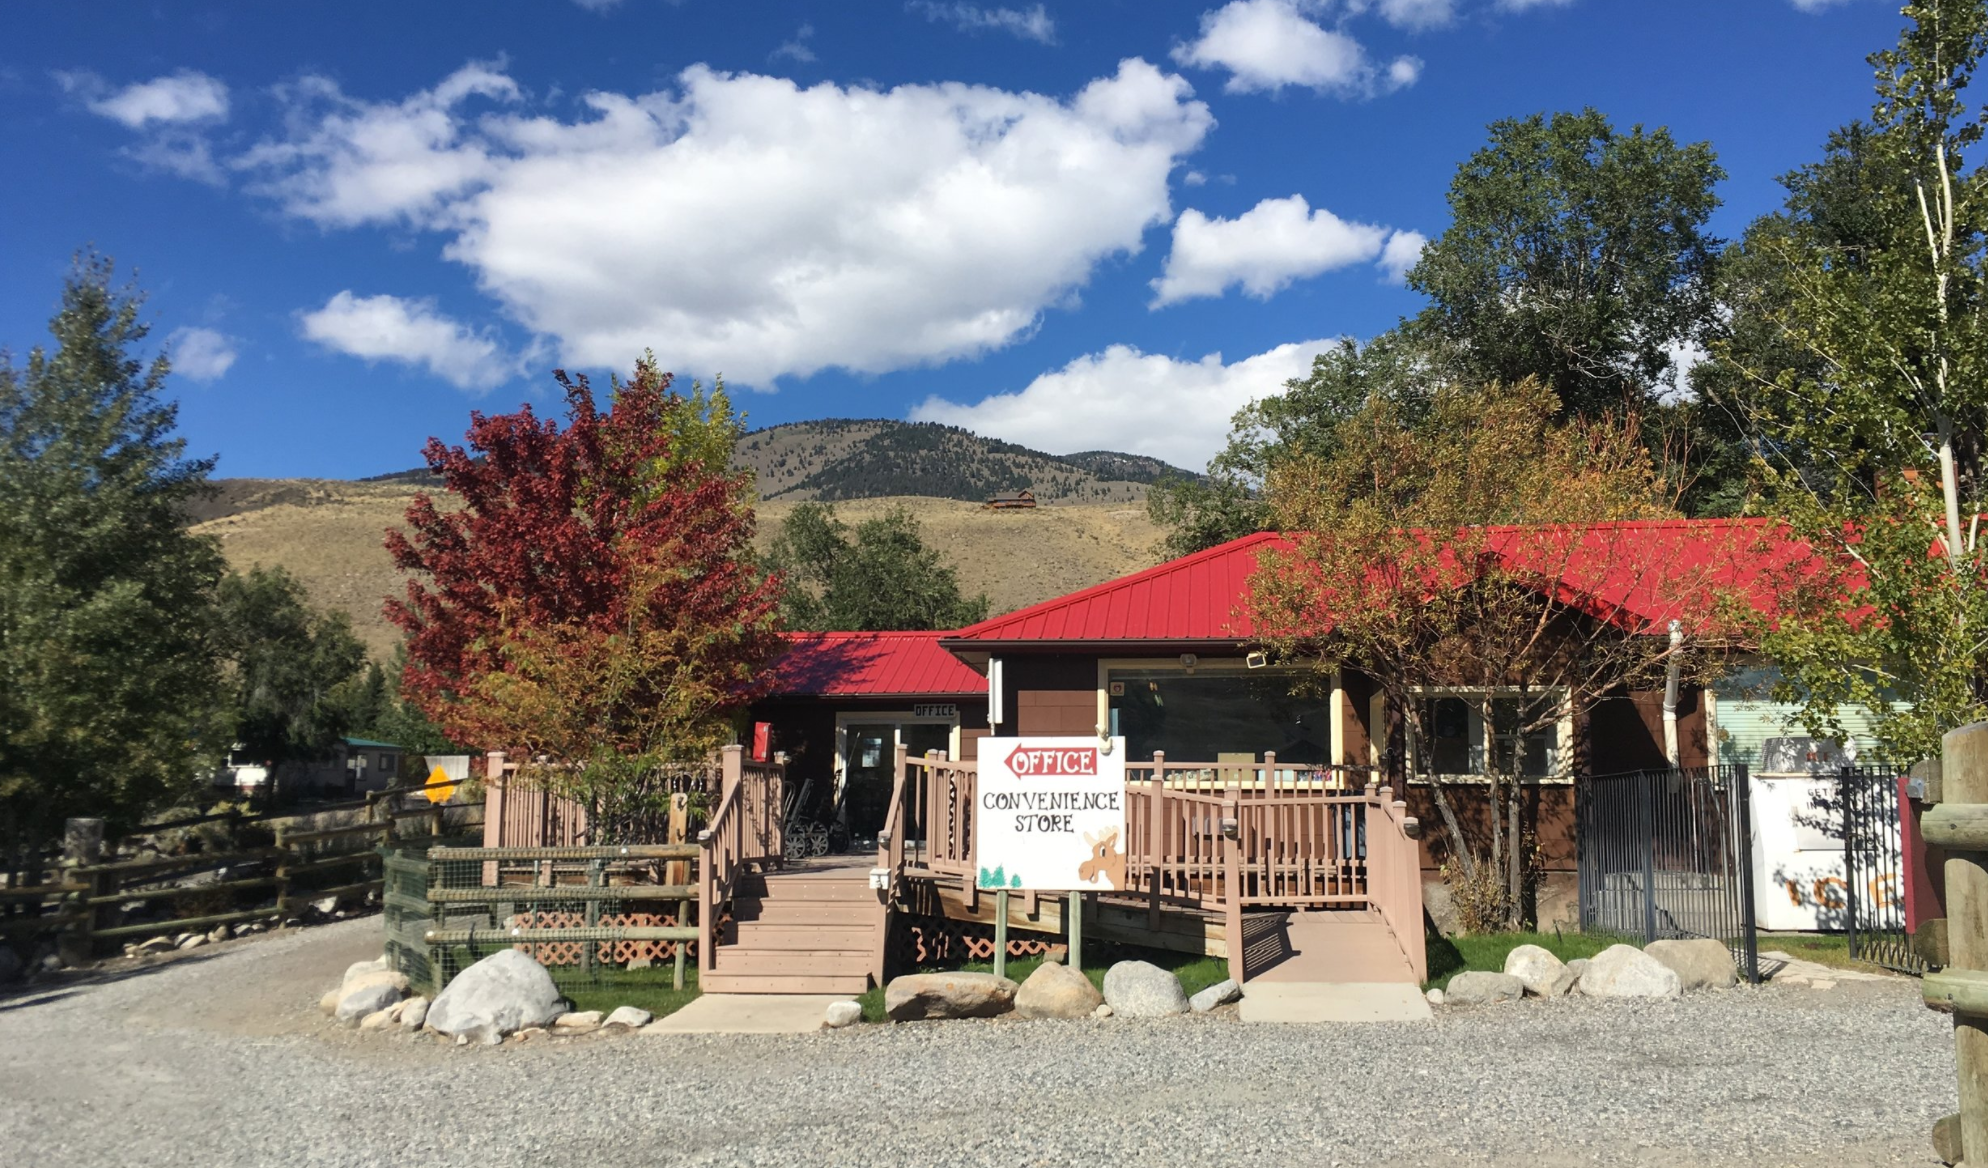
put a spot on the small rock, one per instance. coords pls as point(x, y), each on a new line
point(1624, 971)
point(355, 1004)
point(1481, 987)
point(642, 963)
point(1102, 1012)
point(52, 963)
point(1219, 994)
point(130, 950)
point(357, 970)
point(948, 995)
point(413, 1013)
point(193, 942)
point(529, 1033)
point(1542, 973)
point(329, 1002)
point(841, 1014)
point(461, 1039)
point(219, 934)
point(158, 945)
point(1057, 991)
point(583, 1022)
point(633, 1017)
point(1436, 997)
point(325, 906)
point(246, 928)
point(292, 922)
point(377, 1020)
point(180, 939)
point(1139, 989)
point(1700, 965)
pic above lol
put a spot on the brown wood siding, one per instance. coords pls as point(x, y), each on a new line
point(1546, 810)
point(1354, 708)
point(1625, 732)
point(1051, 695)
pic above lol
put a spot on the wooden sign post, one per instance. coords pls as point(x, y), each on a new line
point(1960, 823)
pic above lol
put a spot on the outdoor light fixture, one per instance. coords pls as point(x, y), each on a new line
point(1188, 661)
point(1257, 660)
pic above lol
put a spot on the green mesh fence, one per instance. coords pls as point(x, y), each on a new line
point(594, 917)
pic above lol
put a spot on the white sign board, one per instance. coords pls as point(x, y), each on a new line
point(1049, 814)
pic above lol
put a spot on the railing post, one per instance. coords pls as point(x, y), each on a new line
point(1232, 915)
point(494, 792)
point(1965, 774)
point(731, 769)
point(1155, 833)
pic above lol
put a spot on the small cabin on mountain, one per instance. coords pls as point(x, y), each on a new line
point(1011, 500)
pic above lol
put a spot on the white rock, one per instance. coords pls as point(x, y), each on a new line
point(1543, 974)
point(841, 1014)
point(1102, 1012)
point(504, 992)
point(1624, 971)
point(583, 1022)
point(1436, 997)
point(1139, 989)
point(633, 1017)
point(1219, 994)
point(1481, 987)
point(413, 1013)
point(158, 945)
point(356, 1003)
point(219, 934)
point(948, 995)
point(377, 1020)
point(193, 942)
point(1057, 991)
point(1701, 964)
point(327, 905)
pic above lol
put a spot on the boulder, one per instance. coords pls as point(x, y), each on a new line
point(1481, 988)
point(1576, 967)
point(1219, 994)
point(504, 992)
point(194, 942)
point(1700, 965)
point(1543, 974)
point(1057, 991)
point(1139, 989)
point(841, 1014)
point(1624, 971)
point(583, 1022)
point(359, 969)
point(369, 997)
point(218, 934)
point(158, 945)
point(413, 1013)
point(948, 995)
point(633, 1017)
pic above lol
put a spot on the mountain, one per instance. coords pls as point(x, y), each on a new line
point(840, 459)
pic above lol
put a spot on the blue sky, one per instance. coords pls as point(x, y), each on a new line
point(1076, 224)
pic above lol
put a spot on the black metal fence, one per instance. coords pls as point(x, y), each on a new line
point(1874, 868)
point(1667, 854)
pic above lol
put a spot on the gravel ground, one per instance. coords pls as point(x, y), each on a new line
point(223, 1060)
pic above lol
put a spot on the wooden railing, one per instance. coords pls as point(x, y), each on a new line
point(744, 829)
point(1210, 836)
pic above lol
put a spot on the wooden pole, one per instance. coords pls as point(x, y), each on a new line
point(1965, 776)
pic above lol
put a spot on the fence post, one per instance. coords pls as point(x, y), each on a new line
point(1845, 798)
point(1649, 833)
point(283, 860)
point(1965, 774)
point(1748, 923)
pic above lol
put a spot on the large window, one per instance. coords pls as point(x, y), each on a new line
point(1203, 717)
point(1522, 733)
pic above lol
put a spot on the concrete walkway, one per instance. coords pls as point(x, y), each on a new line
point(747, 1014)
point(1311, 1002)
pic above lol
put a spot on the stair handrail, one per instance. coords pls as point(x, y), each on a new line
point(1394, 874)
point(744, 828)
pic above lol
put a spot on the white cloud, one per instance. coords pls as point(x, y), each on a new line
point(1123, 399)
point(412, 332)
point(345, 162)
point(201, 353)
point(1269, 44)
point(1032, 24)
point(1529, 5)
point(185, 96)
point(744, 223)
point(1402, 250)
point(1414, 15)
point(1263, 250)
point(796, 46)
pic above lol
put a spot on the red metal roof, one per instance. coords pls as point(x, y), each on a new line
point(873, 665)
point(1623, 572)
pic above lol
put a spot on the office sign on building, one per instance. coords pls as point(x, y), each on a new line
point(1049, 814)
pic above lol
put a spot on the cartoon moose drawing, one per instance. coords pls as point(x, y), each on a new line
point(1106, 860)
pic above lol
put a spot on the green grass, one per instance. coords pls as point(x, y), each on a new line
point(1449, 956)
point(1821, 948)
point(648, 989)
point(1196, 973)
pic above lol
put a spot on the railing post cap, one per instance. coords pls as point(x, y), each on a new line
point(734, 748)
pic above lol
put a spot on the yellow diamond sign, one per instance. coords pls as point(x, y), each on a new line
point(440, 786)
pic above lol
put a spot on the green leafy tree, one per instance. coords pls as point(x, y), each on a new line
point(110, 685)
point(877, 578)
point(374, 709)
point(289, 665)
point(1861, 375)
point(1577, 255)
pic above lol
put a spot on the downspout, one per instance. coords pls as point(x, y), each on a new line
point(1671, 677)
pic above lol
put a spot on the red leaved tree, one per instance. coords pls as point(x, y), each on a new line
point(593, 600)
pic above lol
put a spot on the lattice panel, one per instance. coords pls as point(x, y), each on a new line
point(606, 952)
point(936, 940)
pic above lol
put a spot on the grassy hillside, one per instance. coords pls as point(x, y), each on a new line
point(328, 534)
point(867, 459)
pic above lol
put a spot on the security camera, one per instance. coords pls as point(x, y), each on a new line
point(1257, 660)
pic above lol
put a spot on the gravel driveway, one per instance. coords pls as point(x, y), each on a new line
point(224, 1061)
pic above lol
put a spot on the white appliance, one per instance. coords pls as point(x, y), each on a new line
point(1798, 836)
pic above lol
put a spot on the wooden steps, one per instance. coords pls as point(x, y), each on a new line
point(808, 930)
